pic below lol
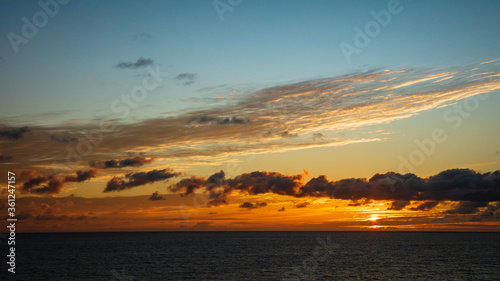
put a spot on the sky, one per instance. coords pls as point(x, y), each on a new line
point(251, 115)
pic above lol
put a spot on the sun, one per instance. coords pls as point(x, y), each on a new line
point(373, 217)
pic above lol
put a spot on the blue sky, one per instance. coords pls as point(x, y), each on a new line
point(70, 63)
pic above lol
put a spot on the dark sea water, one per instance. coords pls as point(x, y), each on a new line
point(256, 256)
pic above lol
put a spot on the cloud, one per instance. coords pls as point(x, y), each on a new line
point(398, 205)
point(137, 179)
point(5, 157)
point(466, 207)
point(426, 206)
point(141, 62)
point(449, 185)
point(156, 196)
point(201, 120)
point(363, 201)
point(82, 176)
point(64, 139)
point(249, 205)
point(186, 78)
point(282, 209)
point(128, 162)
point(189, 185)
point(302, 205)
point(330, 105)
point(53, 184)
point(493, 209)
point(14, 133)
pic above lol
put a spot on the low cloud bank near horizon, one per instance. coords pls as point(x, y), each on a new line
point(470, 188)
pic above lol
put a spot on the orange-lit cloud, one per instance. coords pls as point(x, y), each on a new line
point(287, 117)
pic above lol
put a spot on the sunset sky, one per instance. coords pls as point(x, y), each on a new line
point(199, 115)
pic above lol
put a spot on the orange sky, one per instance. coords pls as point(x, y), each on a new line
point(176, 213)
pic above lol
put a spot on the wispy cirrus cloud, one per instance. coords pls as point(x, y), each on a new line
point(186, 78)
point(293, 116)
point(142, 36)
point(14, 133)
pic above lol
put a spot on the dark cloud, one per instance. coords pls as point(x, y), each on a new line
point(64, 139)
point(53, 184)
point(141, 62)
point(452, 185)
point(24, 215)
point(426, 206)
point(282, 209)
point(493, 209)
point(186, 78)
point(128, 162)
point(449, 185)
point(81, 176)
point(14, 133)
point(253, 183)
point(398, 205)
point(5, 157)
point(201, 120)
point(302, 205)
point(466, 207)
point(137, 179)
point(265, 182)
point(188, 186)
point(217, 202)
point(362, 202)
point(156, 196)
point(249, 205)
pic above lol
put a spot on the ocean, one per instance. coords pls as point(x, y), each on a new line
point(256, 256)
